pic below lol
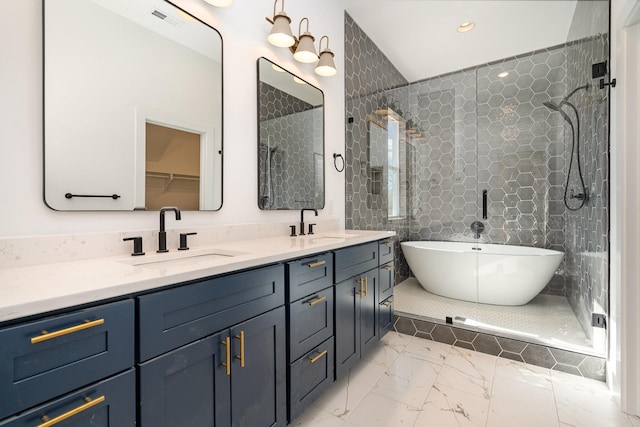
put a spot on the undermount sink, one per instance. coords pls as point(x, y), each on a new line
point(332, 236)
point(180, 259)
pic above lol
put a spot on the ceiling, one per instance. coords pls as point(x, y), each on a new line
point(421, 40)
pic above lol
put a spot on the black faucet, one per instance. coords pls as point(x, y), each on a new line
point(162, 235)
point(302, 219)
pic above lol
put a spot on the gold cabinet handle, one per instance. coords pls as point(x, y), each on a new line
point(360, 282)
point(90, 403)
point(320, 355)
point(316, 301)
point(227, 364)
point(366, 286)
point(388, 267)
point(50, 335)
point(387, 243)
point(241, 356)
point(316, 264)
point(388, 303)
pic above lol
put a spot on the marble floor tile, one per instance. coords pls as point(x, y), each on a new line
point(522, 372)
point(428, 350)
point(408, 380)
point(447, 406)
point(518, 403)
point(584, 402)
point(380, 411)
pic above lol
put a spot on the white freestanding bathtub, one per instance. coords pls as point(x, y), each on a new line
point(489, 274)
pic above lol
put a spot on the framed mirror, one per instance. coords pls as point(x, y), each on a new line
point(290, 140)
point(132, 107)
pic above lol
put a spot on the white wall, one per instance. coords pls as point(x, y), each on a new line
point(244, 31)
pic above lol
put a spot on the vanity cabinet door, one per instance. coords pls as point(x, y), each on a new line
point(357, 328)
point(108, 403)
point(188, 386)
point(258, 371)
point(369, 333)
point(347, 336)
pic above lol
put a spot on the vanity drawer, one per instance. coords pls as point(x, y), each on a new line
point(309, 376)
point(355, 260)
point(386, 250)
point(387, 281)
point(171, 318)
point(386, 316)
point(79, 348)
point(109, 403)
point(309, 275)
point(310, 322)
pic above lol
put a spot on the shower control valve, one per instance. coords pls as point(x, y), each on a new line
point(579, 196)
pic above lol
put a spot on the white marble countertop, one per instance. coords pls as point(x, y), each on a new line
point(38, 289)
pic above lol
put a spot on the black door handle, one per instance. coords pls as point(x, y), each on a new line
point(484, 204)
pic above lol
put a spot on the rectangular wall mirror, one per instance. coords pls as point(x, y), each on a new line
point(290, 140)
point(132, 107)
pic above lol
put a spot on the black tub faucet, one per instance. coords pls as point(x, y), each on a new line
point(162, 234)
point(302, 219)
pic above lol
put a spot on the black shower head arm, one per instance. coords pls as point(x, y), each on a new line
point(585, 87)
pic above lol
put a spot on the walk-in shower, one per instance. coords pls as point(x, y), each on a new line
point(528, 133)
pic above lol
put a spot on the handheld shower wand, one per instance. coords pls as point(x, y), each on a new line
point(575, 147)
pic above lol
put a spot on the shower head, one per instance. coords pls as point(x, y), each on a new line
point(556, 107)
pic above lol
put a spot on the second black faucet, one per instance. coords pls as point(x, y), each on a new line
point(302, 220)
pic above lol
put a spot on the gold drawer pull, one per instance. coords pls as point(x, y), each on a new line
point(316, 264)
point(388, 303)
point(316, 301)
point(388, 267)
point(241, 356)
point(387, 243)
point(227, 364)
point(320, 355)
point(366, 286)
point(50, 335)
point(90, 403)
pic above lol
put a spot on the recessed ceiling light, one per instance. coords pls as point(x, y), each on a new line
point(467, 26)
point(503, 74)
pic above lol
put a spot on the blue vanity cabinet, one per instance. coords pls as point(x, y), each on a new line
point(233, 378)
point(356, 307)
point(44, 359)
point(108, 403)
point(213, 352)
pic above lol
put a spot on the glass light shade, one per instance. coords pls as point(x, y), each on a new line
point(326, 67)
point(220, 3)
point(306, 51)
point(280, 34)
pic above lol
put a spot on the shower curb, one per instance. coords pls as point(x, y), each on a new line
point(534, 354)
